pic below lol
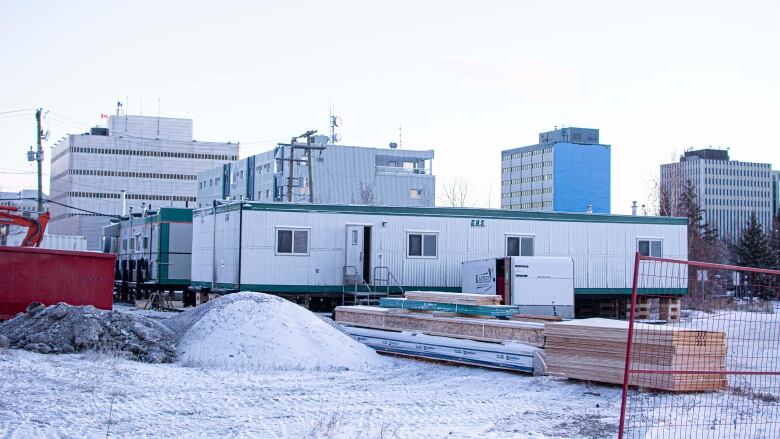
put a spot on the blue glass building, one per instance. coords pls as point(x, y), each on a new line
point(567, 171)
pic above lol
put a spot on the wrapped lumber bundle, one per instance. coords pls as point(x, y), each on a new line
point(457, 327)
point(595, 350)
point(476, 310)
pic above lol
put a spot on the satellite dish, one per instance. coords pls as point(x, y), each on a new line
point(336, 121)
point(336, 137)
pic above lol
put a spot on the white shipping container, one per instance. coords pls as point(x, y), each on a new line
point(539, 285)
point(54, 242)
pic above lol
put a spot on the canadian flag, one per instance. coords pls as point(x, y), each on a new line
point(103, 116)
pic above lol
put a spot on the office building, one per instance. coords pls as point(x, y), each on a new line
point(26, 200)
point(340, 174)
point(138, 160)
point(567, 171)
point(775, 192)
point(728, 190)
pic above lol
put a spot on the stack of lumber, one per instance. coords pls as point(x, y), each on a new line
point(469, 309)
point(453, 298)
point(595, 350)
point(457, 327)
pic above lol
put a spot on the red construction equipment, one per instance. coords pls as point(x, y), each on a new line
point(35, 227)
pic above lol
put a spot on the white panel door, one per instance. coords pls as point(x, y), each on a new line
point(354, 250)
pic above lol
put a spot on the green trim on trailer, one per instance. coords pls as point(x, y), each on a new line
point(450, 212)
point(338, 289)
point(174, 282)
point(164, 214)
point(162, 253)
point(181, 215)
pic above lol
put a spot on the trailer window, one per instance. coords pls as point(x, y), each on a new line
point(650, 247)
point(422, 245)
point(519, 246)
point(292, 242)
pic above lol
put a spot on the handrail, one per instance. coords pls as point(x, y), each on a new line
point(390, 277)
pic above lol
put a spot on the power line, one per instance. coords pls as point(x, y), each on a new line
point(63, 205)
point(69, 119)
point(16, 111)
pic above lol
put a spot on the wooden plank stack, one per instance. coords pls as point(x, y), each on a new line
point(453, 298)
point(458, 327)
point(595, 350)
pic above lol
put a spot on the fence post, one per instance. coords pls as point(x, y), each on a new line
point(628, 345)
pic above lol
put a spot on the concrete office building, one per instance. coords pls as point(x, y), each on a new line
point(567, 171)
point(155, 160)
point(341, 174)
point(728, 190)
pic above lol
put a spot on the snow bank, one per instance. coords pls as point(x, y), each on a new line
point(255, 330)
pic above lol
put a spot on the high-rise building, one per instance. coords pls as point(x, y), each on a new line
point(728, 191)
point(775, 192)
point(340, 174)
point(154, 161)
point(567, 171)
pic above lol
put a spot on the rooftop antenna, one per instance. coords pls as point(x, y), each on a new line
point(335, 121)
point(400, 136)
point(158, 118)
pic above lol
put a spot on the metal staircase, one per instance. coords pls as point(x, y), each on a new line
point(355, 290)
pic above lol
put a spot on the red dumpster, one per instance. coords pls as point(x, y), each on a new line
point(49, 276)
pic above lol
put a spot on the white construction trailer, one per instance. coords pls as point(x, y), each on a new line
point(321, 251)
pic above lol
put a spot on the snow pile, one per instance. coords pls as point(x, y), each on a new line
point(260, 331)
point(65, 329)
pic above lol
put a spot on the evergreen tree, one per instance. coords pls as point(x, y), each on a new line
point(704, 243)
point(774, 240)
point(753, 248)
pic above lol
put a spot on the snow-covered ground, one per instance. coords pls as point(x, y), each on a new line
point(76, 396)
point(92, 395)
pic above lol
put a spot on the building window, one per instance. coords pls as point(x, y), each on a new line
point(519, 245)
point(650, 247)
point(292, 242)
point(415, 193)
point(422, 245)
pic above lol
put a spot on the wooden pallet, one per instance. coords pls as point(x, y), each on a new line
point(470, 328)
point(453, 298)
point(595, 350)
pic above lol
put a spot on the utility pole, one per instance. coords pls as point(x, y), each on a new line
point(308, 147)
point(39, 159)
point(311, 181)
point(292, 168)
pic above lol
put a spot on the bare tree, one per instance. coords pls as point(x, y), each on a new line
point(366, 194)
point(455, 193)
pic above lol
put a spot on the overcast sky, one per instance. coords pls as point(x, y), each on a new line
point(467, 79)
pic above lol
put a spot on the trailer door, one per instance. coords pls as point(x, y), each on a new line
point(354, 251)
